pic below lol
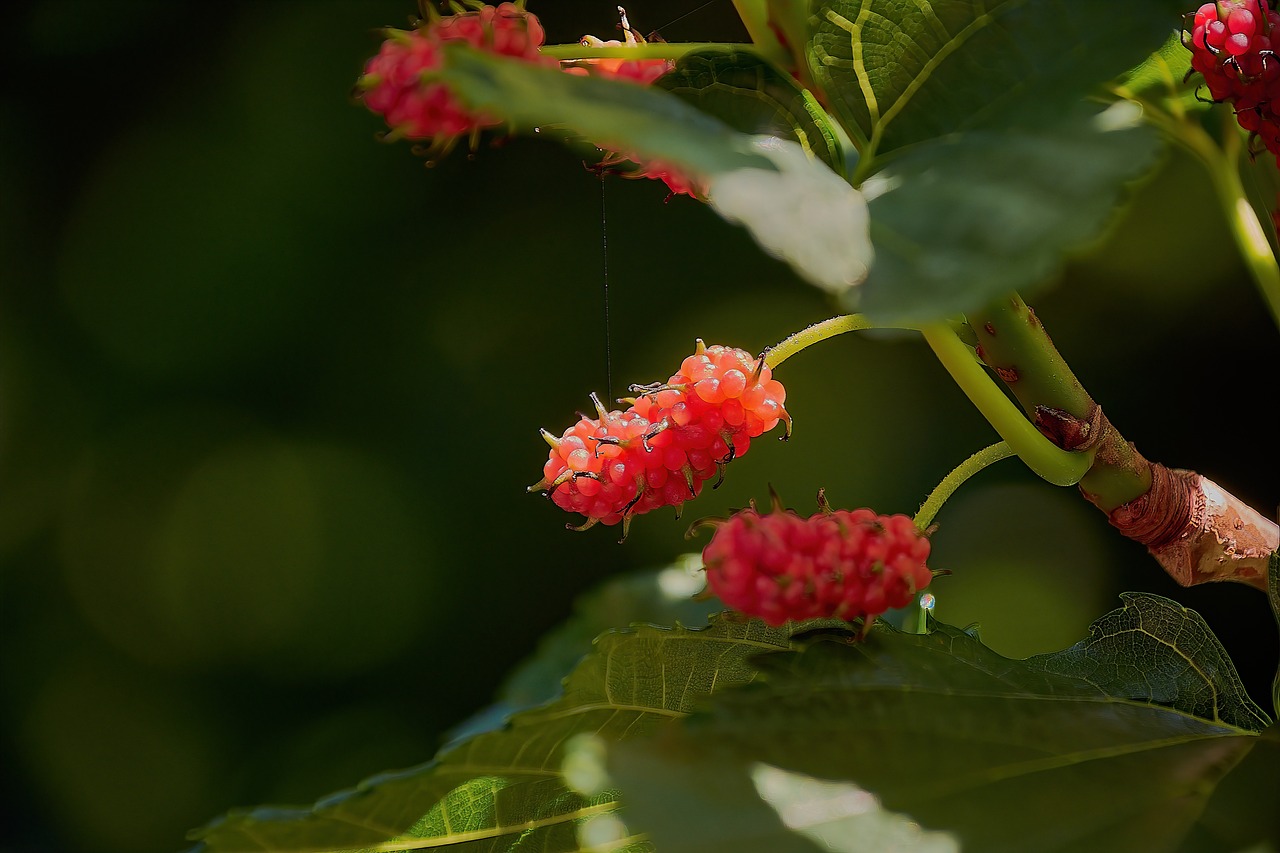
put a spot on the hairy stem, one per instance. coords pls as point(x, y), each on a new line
point(966, 469)
point(817, 333)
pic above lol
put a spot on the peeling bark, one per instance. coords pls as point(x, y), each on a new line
point(1197, 531)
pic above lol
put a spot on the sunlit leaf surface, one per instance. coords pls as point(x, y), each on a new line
point(903, 71)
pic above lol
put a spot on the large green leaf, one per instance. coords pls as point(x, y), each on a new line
point(503, 790)
point(962, 220)
point(615, 115)
point(1155, 650)
point(662, 597)
point(903, 71)
point(1165, 78)
point(752, 96)
point(1008, 755)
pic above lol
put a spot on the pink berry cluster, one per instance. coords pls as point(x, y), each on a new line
point(672, 438)
point(842, 564)
point(1231, 47)
point(397, 83)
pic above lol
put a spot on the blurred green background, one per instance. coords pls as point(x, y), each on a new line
point(270, 392)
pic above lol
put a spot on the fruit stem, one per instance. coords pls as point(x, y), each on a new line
point(1222, 164)
point(755, 17)
point(649, 50)
point(966, 469)
point(1047, 460)
point(817, 333)
point(1251, 239)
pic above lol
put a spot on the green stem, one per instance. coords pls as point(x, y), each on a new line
point(817, 333)
point(1014, 343)
point(1251, 240)
point(954, 480)
point(1222, 164)
point(916, 617)
point(650, 50)
point(755, 17)
point(1047, 460)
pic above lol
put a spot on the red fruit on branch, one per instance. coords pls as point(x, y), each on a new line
point(844, 564)
point(642, 71)
point(1231, 44)
point(672, 439)
point(397, 83)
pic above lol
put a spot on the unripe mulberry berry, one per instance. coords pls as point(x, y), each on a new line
point(845, 564)
point(1231, 44)
point(397, 83)
point(672, 439)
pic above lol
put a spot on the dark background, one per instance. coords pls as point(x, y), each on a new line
point(270, 392)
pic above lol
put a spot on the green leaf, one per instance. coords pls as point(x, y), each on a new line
point(903, 71)
point(1008, 755)
point(1165, 78)
point(794, 206)
point(1155, 650)
point(752, 96)
point(959, 221)
point(663, 597)
point(503, 790)
point(1243, 813)
point(615, 115)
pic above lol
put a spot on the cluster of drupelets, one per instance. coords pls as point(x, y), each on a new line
point(397, 83)
point(846, 564)
point(1231, 47)
point(672, 438)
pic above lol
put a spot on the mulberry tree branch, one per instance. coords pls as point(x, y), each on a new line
point(1196, 530)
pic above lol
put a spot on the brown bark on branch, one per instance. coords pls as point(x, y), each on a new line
point(1198, 531)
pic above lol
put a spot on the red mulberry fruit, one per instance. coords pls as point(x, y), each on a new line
point(674, 437)
point(396, 83)
point(1231, 44)
point(844, 564)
